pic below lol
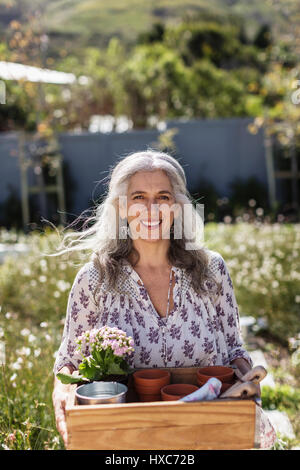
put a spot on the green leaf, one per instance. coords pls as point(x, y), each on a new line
point(69, 379)
point(114, 368)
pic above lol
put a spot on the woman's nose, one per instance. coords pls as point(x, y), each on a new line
point(152, 207)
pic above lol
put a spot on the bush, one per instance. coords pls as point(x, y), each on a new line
point(281, 397)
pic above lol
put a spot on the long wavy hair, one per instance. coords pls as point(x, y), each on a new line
point(106, 252)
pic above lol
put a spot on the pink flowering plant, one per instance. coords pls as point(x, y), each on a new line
point(105, 351)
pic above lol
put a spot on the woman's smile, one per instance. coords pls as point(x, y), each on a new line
point(151, 225)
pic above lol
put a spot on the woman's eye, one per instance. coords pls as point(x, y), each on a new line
point(165, 197)
point(137, 197)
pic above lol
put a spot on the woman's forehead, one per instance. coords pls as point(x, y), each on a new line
point(143, 180)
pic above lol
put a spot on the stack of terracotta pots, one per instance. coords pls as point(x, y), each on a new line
point(222, 373)
point(148, 383)
point(154, 385)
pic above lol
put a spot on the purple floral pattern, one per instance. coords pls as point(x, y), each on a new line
point(153, 335)
point(199, 331)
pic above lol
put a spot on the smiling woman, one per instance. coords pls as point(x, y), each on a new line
point(177, 303)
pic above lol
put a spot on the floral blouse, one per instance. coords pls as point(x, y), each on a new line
point(197, 332)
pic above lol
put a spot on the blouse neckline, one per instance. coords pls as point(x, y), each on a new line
point(145, 294)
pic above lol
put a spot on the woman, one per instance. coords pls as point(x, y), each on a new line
point(174, 298)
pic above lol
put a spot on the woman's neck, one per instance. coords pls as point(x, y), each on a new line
point(152, 255)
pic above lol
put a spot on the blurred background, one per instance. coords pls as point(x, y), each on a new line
point(83, 83)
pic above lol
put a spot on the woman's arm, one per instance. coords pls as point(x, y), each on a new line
point(228, 311)
point(81, 315)
point(242, 365)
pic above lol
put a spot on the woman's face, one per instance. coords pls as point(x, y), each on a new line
point(149, 200)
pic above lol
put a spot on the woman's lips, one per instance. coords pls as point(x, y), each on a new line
point(151, 225)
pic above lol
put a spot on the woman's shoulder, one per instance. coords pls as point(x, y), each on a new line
point(216, 261)
point(87, 275)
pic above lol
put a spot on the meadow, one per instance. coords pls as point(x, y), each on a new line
point(263, 261)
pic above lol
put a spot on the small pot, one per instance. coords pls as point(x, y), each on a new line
point(225, 386)
point(145, 397)
point(176, 391)
point(222, 373)
point(96, 393)
point(148, 382)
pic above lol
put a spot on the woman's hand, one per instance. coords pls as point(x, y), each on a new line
point(59, 398)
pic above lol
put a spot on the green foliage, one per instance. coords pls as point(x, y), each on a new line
point(69, 379)
point(101, 365)
point(202, 66)
point(281, 397)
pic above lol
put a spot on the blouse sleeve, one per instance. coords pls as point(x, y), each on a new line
point(81, 315)
point(228, 312)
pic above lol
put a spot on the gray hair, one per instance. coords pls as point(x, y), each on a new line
point(106, 252)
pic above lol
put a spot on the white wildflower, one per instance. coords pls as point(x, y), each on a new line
point(16, 366)
point(25, 332)
point(42, 279)
point(31, 338)
point(37, 352)
point(43, 264)
point(44, 324)
point(23, 351)
point(63, 286)
point(13, 377)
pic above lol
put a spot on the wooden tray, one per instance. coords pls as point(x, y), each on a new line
point(217, 424)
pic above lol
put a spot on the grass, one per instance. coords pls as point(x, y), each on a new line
point(263, 263)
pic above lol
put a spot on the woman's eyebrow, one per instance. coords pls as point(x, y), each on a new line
point(159, 192)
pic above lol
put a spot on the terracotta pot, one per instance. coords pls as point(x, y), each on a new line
point(149, 397)
point(225, 386)
point(176, 391)
point(148, 382)
point(222, 373)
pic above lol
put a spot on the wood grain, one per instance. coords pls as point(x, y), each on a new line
point(218, 424)
point(208, 437)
